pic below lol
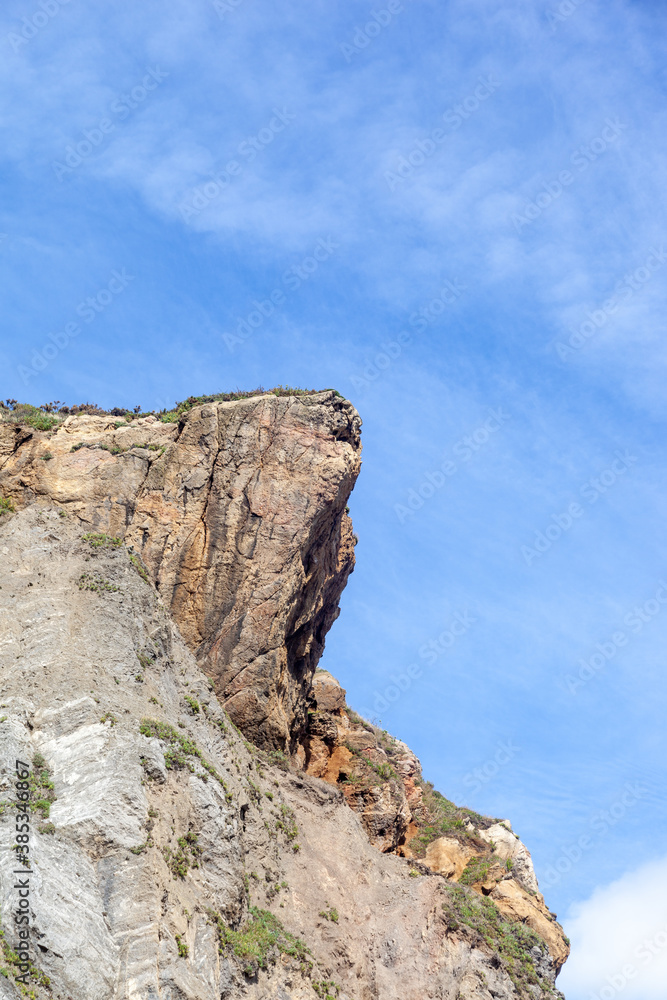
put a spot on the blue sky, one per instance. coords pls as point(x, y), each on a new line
point(454, 214)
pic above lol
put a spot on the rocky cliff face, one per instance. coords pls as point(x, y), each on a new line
point(160, 585)
point(238, 514)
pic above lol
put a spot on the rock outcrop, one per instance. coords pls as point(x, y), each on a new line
point(162, 584)
point(381, 779)
point(238, 515)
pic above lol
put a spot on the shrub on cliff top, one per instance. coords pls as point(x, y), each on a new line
point(49, 415)
point(438, 817)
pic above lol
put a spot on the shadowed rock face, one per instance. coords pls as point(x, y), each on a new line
point(240, 523)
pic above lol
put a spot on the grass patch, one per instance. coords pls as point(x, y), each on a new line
point(98, 584)
point(6, 506)
point(511, 942)
point(13, 969)
point(477, 870)
point(287, 823)
point(114, 449)
point(180, 750)
point(327, 989)
point(140, 568)
point(438, 817)
point(38, 417)
point(41, 787)
point(185, 856)
point(260, 941)
point(276, 758)
point(97, 540)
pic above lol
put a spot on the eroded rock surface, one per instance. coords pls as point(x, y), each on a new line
point(381, 780)
point(238, 514)
point(170, 840)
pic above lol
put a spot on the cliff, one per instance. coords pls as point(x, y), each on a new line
point(209, 819)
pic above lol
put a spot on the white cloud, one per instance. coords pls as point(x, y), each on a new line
point(619, 939)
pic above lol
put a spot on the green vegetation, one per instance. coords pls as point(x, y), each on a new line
point(149, 447)
point(477, 870)
point(98, 584)
point(260, 941)
point(357, 720)
point(46, 457)
point(41, 418)
point(146, 659)
point(173, 416)
point(184, 857)
point(274, 890)
point(512, 942)
point(330, 914)
point(114, 449)
point(180, 750)
point(140, 568)
point(368, 773)
point(275, 758)
point(287, 823)
point(326, 989)
point(193, 703)
point(109, 717)
point(182, 947)
point(97, 540)
point(6, 506)
point(41, 786)
point(49, 416)
point(438, 817)
point(140, 848)
point(13, 969)
point(46, 828)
